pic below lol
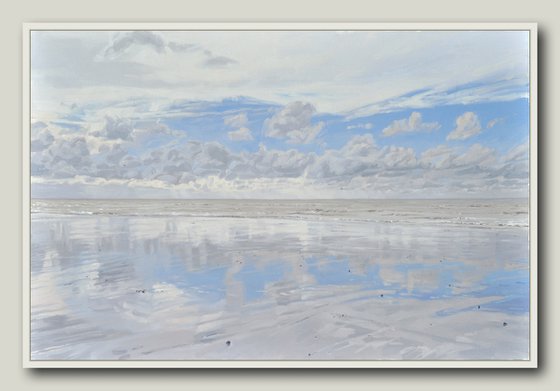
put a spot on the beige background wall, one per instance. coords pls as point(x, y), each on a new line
point(546, 13)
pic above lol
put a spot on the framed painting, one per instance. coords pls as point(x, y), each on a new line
point(280, 195)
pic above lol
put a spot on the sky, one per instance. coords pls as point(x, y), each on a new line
point(279, 114)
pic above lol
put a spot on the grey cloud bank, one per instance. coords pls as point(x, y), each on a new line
point(195, 169)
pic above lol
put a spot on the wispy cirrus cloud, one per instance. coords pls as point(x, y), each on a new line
point(124, 42)
point(295, 67)
point(493, 122)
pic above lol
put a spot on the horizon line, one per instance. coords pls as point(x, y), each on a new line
point(277, 199)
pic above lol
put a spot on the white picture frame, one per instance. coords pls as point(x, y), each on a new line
point(532, 362)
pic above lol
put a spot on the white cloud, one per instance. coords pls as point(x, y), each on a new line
point(476, 155)
point(361, 157)
point(494, 122)
point(398, 157)
point(42, 140)
point(360, 168)
point(126, 130)
point(411, 124)
point(116, 155)
point(517, 153)
point(467, 125)
point(117, 128)
point(367, 126)
point(293, 122)
point(239, 121)
point(241, 134)
point(360, 145)
point(290, 163)
point(283, 66)
point(438, 157)
point(64, 157)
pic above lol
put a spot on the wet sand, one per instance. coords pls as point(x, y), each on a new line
point(318, 280)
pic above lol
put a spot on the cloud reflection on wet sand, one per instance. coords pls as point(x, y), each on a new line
point(132, 287)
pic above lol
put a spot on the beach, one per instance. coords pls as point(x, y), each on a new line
point(279, 280)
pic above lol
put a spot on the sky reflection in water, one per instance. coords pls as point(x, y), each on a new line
point(115, 267)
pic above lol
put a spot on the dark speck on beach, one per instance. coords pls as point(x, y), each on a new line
point(505, 324)
point(381, 295)
point(228, 343)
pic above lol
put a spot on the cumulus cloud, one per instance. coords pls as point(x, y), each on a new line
point(117, 128)
point(64, 158)
point(293, 122)
point(445, 157)
point(467, 125)
point(241, 134)
point(290, 163)
point(42, 140)
point(124, 129)
point(476, 155)
point(239, 121)
point(360, 156)
point(360, 145)
point(411, 124)
point(360, 168)
point(439, 156)
point(519, 152)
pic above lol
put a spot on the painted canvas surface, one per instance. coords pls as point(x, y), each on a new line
point(279, 195)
